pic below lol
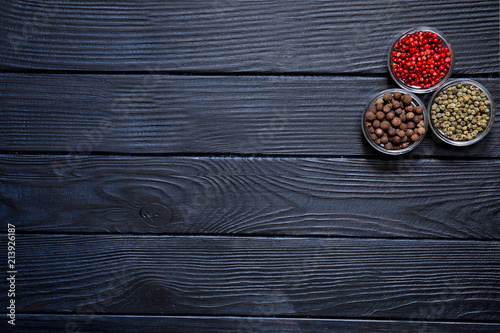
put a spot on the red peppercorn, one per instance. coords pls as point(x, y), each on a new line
point(420, 59)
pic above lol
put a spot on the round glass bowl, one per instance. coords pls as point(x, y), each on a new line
point(397, 148)
point(460, 100)
point(419, 59)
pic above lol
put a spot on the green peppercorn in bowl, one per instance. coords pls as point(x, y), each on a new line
point(394, 121)
point(421, 60)
point(462, 112)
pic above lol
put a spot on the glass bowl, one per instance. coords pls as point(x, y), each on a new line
point(381, 147)
point(414, 88)
point(491, 114)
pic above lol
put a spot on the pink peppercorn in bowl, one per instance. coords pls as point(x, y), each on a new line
point(394, 121)
point(421, 60)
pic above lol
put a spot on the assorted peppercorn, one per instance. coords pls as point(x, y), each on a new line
point(420, 59)
point(461, 112)
point(394, 122)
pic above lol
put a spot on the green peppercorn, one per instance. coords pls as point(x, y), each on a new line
point(461, 112)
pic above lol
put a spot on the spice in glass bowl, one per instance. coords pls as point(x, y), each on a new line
point(421, 59)
point(461, 112)
point(394, 122)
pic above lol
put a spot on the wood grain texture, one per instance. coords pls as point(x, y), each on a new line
point(264, 277)
point(410, 198)
point(237, 36)
point(201, 114)
point(34, 323)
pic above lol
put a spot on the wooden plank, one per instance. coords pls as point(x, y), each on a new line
point(237, 36)
point(176, 324)
point(200, 114)
point(411, 198)
point(265, 277)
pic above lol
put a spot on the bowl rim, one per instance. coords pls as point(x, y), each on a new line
point(416, 101)
point(443, 81)
point(438, 133)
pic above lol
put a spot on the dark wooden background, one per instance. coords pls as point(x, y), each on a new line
point(198, 166)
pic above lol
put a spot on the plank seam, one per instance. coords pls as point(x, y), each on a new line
point(223, 73)
point(277, 317)
point(259, 236)
point(411, 156)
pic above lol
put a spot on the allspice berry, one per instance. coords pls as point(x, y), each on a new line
point(406, 98)
point(370, 116)
point(419, 110)
point(396, 122)
point(393, 123)
point(385, 125)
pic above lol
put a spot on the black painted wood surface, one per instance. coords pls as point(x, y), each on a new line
point(224, 324)
point(199, 167)
point(238, 276)
point(256, 115)
point(237, 36)
point(402, 198)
